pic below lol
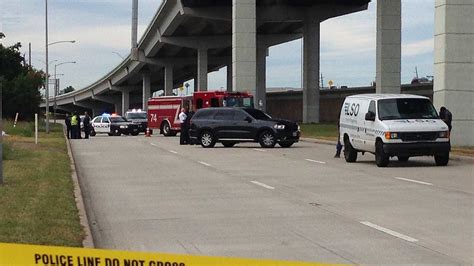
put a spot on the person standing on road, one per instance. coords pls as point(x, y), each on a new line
point(87, 125)
point(67, 121)
point(184, 130)
point(339, 144)
point(446, 116)
point(74, 123)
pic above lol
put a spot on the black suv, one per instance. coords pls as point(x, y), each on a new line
point(233, 125)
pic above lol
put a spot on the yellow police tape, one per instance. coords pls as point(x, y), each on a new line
point(13, 255)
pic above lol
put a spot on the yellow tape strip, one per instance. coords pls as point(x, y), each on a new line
point(13, 255)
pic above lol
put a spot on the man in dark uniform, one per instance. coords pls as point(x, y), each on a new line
point(446, 116)
point(87, 125)
point(67, 121)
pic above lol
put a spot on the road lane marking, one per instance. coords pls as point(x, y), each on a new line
point(204, 163)
point(262, 185)
point(175, 152)
point(153, 144)
point(414, 181)
point(259, 150)
point(314, 161)
point(390, 232)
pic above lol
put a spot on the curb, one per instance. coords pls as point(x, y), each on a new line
point(333, 143)
point(88, 241)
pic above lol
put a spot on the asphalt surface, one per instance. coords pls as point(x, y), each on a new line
point(151, 194)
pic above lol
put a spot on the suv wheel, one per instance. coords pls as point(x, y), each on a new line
point(403, 158)
point(381, 159)
point(350, 154)
point(286, 144)
point(207, 139)
point(442, 160)
point(267, 139)
point(228, 144)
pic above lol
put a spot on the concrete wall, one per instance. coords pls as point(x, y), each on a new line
point(288, 105)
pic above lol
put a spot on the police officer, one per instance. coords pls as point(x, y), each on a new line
point(74, 125)
point(183, 137)
point(87, 125)
point(67, 121)
point(446, 116)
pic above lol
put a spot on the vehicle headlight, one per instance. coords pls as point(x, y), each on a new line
point(123, 127)
point(443, 134)
point(279, 126)
point(392, 135)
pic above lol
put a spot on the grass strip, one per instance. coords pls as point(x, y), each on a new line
point(37, 204)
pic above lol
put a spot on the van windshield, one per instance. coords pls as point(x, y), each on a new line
point(393, 109)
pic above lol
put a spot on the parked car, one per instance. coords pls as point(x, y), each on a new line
point(113, 125)
point(230, 126)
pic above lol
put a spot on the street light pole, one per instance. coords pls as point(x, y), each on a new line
point(46, 81)
point(56, 85)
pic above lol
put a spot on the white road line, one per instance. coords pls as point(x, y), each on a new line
point(314, 161)
point(153, 144)
point(390, 232)
point(175, 152)
point(414, 181)
point(259, 150)
point(204, 163)
point(262, 185)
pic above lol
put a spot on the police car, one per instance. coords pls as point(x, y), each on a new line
point(113, 125)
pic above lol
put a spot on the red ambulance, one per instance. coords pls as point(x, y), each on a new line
point(163, 111)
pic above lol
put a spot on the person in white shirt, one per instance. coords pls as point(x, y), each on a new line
point(183, 139)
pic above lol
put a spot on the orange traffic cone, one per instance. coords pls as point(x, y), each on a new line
point(147, 132)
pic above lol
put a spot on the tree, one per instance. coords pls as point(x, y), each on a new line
point(21, 84)
point(68, 89)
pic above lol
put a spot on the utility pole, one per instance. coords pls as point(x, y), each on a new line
point(46, 79)
point(322, 81)
point(29, 54)
point(134, 23)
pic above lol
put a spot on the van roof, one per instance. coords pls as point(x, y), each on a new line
point(379, 96)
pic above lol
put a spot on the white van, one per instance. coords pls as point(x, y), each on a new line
point(389, 125)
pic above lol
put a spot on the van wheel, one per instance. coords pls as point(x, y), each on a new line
point(267, 139)
point(207, 139)
point(228, 144)
point(166, 129)
point(403, 158)
point(381, 159)
point(350, 154)
point(442, 160)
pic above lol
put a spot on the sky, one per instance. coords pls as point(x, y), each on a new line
point(101, 29)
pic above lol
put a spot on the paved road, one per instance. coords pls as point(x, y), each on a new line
point(150, 194)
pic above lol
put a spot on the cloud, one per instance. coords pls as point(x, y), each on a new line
point(418, 48)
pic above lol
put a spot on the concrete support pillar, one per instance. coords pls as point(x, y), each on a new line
point(311, 48)
point(229, 77)
point(454, 66)
point(202, 70)
point(244, 45)
point(260, 94)
point(125, 101)
point(195, 84)
point(146, 91)
point(118, 108)
point(169, 80)
point(389, 43)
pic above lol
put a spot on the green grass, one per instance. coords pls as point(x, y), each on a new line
point(326, 131)
point(37, 205)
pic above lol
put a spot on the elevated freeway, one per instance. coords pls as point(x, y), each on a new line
point(187, 39)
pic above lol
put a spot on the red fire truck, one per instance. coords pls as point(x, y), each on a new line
point(163, 111)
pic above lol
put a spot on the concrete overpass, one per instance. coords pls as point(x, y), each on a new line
point(187, 39)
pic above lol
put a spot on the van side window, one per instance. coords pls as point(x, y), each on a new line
point(372, 107)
